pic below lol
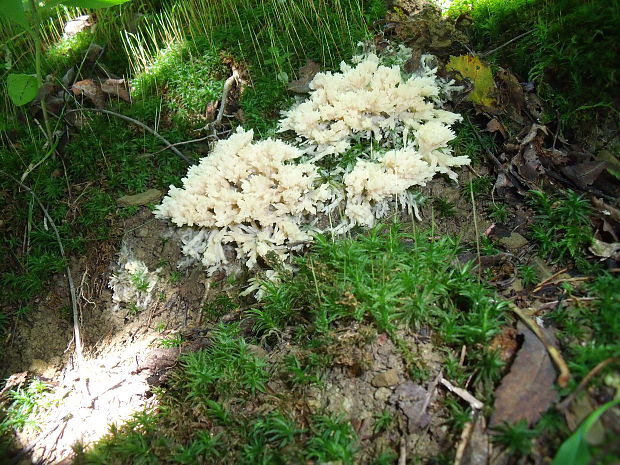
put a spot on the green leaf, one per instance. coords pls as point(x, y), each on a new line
point(14, 11)
point(22, 88)
point(575, 450)
point(91, 3)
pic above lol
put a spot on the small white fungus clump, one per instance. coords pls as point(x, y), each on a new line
point(245, 193)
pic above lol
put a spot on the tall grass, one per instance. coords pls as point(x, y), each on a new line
point(272, 35)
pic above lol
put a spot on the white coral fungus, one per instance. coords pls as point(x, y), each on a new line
point(369, 101)
point(248, 194)
point(256, 197)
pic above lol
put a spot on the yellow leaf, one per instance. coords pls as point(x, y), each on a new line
point(481, 76)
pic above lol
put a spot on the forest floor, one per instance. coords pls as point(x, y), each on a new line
point(482, 331)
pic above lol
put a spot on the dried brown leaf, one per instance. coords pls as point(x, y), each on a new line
point(584, 174)
point(528, 164)
point(495, 125)
point(91, 90)
point(117, 88)
point(306, 74)
point(528, 390)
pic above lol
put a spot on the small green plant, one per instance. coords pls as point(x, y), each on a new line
point(226, 368)
point(383, 422)
point(517, 438)
point(220, 305)
point(472, 143)
point(302, 372)
point(333, 440)
point(444, 207)
point(487, 246)
point(562, 228)
point(133, 309)
point(160, 327)
point(175, 340)
point(576, 450)
point(175, 277)
point(25, 403)
point(499, 212)
point(140, 280)
point(589, 331)
point(528, 275)
point(479, 186)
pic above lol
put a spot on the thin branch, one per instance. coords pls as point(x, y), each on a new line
point(176, 144)
point(585, 381)
point(554, 353)
point(520, 36)
point(137, 123)
point(234, 77)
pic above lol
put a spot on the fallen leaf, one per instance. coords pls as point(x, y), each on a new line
point(505, 343)
point(411, 398)
point(533, 132)
point(528, 164)
point(495, 125)
point(481, 76)
point(605, 249)
point(144, 198)
point(117, 88)
point(306, 74)
point(584, 174)
point(555, 156)
point(91, 90)
point(511, 94)
point(528, 390)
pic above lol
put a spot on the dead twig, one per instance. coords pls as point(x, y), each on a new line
point(468, 429)
point(474, 403)
point(520, 36)
point(137, 123)
point(554, 353)
point(585, 381)
point(558, 303)
point(402, 455)
point(177, 144)
point(234, 77)
point(550, 278)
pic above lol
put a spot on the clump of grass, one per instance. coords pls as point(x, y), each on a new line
point(226, 368)
point(517, 438)
point(24, 405)
point(562, 228)
point(589, 331)
point(528, 275)
point(471, 142)
point(386, 277)
point(444, 207)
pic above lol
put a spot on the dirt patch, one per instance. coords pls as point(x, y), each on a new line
point(123, 353)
